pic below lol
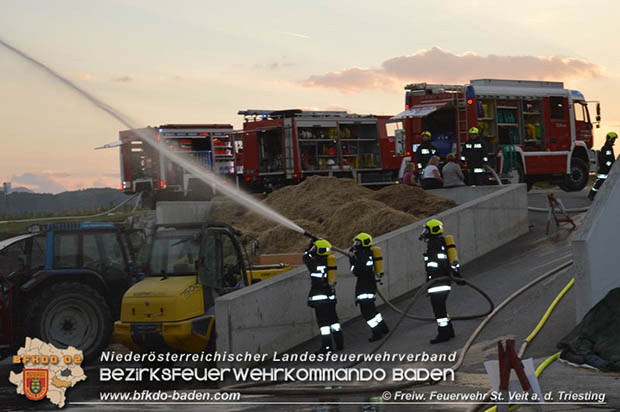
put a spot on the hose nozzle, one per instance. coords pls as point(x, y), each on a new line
point(310, 235)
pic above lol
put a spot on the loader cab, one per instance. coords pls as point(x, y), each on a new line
point(210, 252)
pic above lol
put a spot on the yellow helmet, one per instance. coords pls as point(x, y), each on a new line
point(474, 130)
point(434, 227)
point(426, 133)
point(612, 136)
point(323, 247)
point(364, 239)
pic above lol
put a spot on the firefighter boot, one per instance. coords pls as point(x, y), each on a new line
point(451, 330)
point(339, 339)
point(376, 334)
point(443, 335)
point(326, 342)
point(383, 327)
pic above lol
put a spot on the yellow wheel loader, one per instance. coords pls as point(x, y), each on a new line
point(188, 266)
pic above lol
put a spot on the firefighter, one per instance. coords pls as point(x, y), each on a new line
point(606, 158)
point(425, 151)
point(364, 259)
point(475, 156)
point(322, 297)
point(440, 260)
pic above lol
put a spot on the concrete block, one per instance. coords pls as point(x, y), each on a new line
point(295, 259)
point(595, 246)
point(182, 212)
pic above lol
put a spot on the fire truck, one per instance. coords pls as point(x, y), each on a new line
point(145, 169)
point(281, 147)
point(537, 129)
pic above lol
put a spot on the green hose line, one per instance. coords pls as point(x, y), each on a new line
point(539, 371)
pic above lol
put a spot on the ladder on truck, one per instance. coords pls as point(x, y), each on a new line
point(462, 122)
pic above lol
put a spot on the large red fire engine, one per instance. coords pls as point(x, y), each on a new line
point(537, 128)
point(144, 169)
point(285, 146)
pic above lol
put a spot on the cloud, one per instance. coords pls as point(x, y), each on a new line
point(439, 66)
point(272, 66)
point(39, 182)
point(123, 79)
point(290, 33)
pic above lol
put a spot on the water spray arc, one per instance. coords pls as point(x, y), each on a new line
point(205, 175)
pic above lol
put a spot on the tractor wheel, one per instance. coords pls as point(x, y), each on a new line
point(577, 179)
point(71, 314)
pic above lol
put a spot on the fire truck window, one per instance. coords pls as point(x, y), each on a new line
point(270, 150)
point(579, 112)
point(557, 108)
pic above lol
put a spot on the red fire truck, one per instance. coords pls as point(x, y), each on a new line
point(144, 169)
point(537, 128)
point(283, 147)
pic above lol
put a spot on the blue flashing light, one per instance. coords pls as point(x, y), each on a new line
point(470, 93)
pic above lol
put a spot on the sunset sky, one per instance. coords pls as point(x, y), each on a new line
point(202, 61)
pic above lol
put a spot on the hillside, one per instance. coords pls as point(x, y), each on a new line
point(23, 204)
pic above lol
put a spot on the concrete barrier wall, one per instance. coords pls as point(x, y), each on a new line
point(273, 315)
point(595, 246)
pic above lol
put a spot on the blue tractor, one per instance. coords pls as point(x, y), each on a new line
point(63, 283)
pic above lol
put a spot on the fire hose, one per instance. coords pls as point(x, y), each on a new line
point(262, 388)
point(540, 209)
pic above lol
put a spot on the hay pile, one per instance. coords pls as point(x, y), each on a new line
point(334, 208)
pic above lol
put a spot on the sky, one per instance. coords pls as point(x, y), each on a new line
point(200, 61)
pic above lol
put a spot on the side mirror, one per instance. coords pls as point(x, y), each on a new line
point(255, 248)
point(598, 111)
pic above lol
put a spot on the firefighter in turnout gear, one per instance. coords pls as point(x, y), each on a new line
point(425, 151)
point(367, 264)
point(606, 158)
point(440, 260)
point(322, 297)
point(475, 156)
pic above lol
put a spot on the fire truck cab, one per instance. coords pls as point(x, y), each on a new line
point(537, 128)
point(285, 146)
point(144, 169)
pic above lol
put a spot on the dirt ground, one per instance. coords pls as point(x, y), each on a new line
point(334, 208)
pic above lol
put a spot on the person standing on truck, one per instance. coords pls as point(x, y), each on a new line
point(425, 151)
point(440, 260)
point(606, 158)
point(431, 178)
point(452, 173)
point(322, 296)
point(366, 265)
point(475, 157)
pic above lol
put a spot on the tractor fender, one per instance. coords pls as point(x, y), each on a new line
point(89, 277)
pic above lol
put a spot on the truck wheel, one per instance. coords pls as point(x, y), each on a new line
point(578, 176)
point(71, 314)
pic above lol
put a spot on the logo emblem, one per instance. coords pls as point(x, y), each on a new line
point(36, 383)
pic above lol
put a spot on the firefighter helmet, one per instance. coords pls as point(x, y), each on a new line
point(322, 247)
point(363, 239)
point(474, 130)
point(434, 227)
point(612, 136)
point(426, 133)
